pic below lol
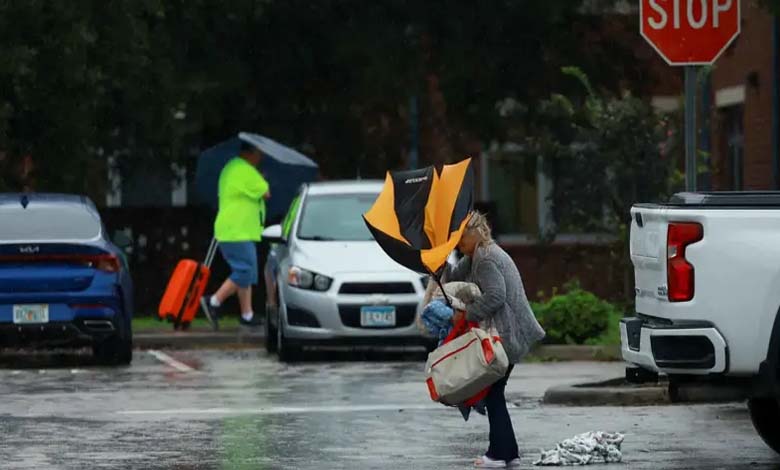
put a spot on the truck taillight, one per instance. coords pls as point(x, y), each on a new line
point(679, 270)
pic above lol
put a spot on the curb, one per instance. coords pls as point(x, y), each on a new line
point(198, 339)
point(554, 352)
point(617, 392)
point(612, 392)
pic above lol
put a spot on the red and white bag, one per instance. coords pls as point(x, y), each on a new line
point(461, 368)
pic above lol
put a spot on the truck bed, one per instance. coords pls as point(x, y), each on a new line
point(722, 200)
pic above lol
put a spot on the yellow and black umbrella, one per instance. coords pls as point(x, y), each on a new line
point(420, 215)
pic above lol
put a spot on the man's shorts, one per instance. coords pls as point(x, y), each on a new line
point(242, 259)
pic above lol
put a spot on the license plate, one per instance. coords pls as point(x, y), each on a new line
point(31, 314)
point(377, 316)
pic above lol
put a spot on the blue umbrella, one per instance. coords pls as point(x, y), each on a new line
point(284, 168)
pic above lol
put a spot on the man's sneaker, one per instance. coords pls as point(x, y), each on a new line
point(211, 312)
point(253, 323)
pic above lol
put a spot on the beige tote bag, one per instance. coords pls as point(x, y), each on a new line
point(458, 370)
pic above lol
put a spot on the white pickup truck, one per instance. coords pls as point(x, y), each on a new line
point(707, 272)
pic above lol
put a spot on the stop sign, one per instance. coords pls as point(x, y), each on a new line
point(689, 32)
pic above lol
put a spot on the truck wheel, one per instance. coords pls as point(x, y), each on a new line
point(765, 414)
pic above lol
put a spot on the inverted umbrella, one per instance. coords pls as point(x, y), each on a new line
point(420, 215)
point(285, 169)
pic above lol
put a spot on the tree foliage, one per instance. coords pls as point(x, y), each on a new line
point(78, 77)
point(605, 153)
point(152, 81)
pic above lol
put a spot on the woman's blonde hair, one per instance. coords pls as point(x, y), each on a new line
point(478, 225)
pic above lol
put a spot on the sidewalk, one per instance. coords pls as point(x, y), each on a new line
point(162, 335)
point(231, 337)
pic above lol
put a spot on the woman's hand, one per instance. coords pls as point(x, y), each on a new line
point(458, 316)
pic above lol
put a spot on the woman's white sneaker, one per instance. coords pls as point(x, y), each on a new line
point(487, 462)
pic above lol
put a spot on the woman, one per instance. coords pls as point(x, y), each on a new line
point(504, 306)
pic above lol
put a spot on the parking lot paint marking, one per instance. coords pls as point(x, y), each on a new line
point(284, 410)
point(169, 361)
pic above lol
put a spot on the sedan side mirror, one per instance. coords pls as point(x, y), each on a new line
point(273, 234)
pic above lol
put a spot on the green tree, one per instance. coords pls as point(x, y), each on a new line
point(150, 81)
point(80, 81)
point(605, 153)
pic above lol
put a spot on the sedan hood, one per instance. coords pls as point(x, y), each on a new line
point(330, 258)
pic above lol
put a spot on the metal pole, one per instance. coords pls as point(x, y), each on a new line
point(691, 72)
point(776, 101)
point(414, 156)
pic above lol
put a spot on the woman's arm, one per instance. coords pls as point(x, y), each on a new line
point(491, 282)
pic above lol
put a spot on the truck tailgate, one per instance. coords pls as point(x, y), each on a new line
point(648, 254)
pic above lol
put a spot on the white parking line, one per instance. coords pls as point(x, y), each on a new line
point(285, 410)
point(169, 361)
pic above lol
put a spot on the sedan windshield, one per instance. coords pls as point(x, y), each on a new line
point(336, 217)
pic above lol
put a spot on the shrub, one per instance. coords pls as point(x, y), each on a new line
point(575, 317)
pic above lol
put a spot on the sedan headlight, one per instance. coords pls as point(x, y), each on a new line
point(321, 283)
point(303, 279)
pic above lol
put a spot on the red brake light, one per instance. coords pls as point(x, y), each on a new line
point(679, 271)
point(107, 263)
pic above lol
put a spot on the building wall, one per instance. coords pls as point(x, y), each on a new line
point(745, 69)
point(547, 267)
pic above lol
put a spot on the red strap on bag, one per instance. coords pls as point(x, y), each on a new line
point(458, 329)
point(432, 389)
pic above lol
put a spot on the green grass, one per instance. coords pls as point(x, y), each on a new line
point(199, 323)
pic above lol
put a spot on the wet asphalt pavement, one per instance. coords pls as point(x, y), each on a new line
point(244, 410)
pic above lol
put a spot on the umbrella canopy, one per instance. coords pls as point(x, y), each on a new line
point(284, 168)
point(420, 215)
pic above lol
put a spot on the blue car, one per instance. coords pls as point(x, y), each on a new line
point(62, 282)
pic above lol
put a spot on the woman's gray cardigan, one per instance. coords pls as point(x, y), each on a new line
point(503, 303)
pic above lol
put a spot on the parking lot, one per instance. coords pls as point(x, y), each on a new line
point(242, 409)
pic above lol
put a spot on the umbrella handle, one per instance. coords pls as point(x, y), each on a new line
point(441, 287)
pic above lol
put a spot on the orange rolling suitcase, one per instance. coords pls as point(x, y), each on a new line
point(187, 285)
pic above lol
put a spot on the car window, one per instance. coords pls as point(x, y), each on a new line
point(336, 217)
point(48, 222)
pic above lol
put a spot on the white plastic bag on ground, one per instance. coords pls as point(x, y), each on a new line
point(584, 449)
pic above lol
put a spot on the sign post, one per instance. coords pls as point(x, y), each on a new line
point(689, 33)
point(691, 74)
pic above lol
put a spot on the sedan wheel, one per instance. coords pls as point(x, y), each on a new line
point(287, 352)
point(270, 332)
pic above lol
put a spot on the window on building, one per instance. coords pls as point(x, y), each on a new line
point(735, 146)
point(512, 181)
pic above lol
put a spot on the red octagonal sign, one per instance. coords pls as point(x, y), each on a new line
point(689, 32)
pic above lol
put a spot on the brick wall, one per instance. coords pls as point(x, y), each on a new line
point(545, 267)
point(750, 55)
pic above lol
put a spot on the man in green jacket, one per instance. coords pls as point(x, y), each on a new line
point(239, 226)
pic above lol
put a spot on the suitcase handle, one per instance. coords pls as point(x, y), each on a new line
point(212, 251)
